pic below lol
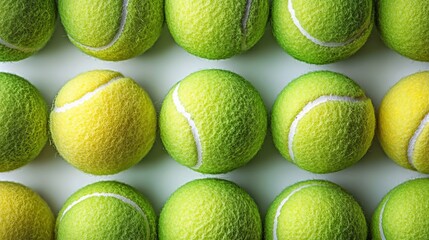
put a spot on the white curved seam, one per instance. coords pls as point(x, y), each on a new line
point(413, 140)
point(320, 42)
point(128, 201)
point(22, 49)
point(380, 221)
point(244, 21)
point(85, 97)
point(118, 33)
point(181, 109)
point(283, 202)
point(307, 108)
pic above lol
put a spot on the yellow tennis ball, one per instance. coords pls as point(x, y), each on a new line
point(323, 122)
point(103, 122)
point(403, 213)
point(24, 214)
point(213, 121)
point(25, 27)
point(403, 120)
point(216, 29)
point(212, 209)
point(322, 32)
point(106, 210)
point(315, 210)
point(112, 29)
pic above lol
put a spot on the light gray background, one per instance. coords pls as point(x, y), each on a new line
point(375, 67)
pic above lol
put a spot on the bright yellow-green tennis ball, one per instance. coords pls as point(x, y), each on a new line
point(216, 29)
point(323, 122)
point(322, 32)
point(315, 210)
point(25, 27)
point(106, 211)
point(403, 213)
point(24, 214)
point(23, 122)
point(103, 122)
point(210, 209)
point(404, 27)
point(213, 121)
point(403, 120)
point(112, 30)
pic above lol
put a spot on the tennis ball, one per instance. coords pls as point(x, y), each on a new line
point(23, 122)
point(106, 210)
point(102, 122)
point(112, 30)
point(403, 117)
point(24, 214)
point(404, 27)
point(25, 27)
point(213, 121)
point(323, 122)
point(315, 210)
point(402, 214)
point(321, 32)
point(216, 29)
point(210, 209)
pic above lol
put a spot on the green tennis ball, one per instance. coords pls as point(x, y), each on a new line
point(210, 209)
point(24, 214)
point(315, 210)
point(404, 27)
point(323, 122)
point(216, 29)
point(25, 27)
point(112, 30)
point(403, 120)
point(102, 122)
point(403, 213)
point(322, 32)
point(106, 211)
point(213, 121)
point(23, 122)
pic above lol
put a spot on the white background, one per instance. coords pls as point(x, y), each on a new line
point(375, 67)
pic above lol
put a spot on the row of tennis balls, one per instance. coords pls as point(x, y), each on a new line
point(213, 121)
point(315, 32)
point(214, 209)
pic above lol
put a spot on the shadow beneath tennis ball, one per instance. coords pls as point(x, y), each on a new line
point(162, 45)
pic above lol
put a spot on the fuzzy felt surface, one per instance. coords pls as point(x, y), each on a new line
point(315, 210)
point(24, 214)
point(103, 128)
point(216, 29)
point(331, 136)
point(106, 210)
point(210, 209)
point(23, 122)
point(401, 113)
point(228, 114)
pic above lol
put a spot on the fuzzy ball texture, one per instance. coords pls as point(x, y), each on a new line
point(322, 32)
point(24, 214)
point(213, 121)
point(216, 29)
point(102, 122)
point(210, 209)
point(402, 214)
point(25, 27)
point(402, 122)
point(112, 30)
point(323, 122)
point(315, 210)
point(106, 211)
point(404, 27)
point(23, 122)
